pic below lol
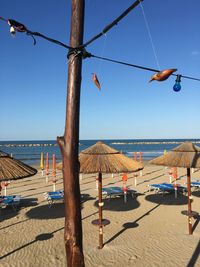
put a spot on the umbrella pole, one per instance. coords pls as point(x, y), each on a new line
point(100, 222)
point(135, 180)
point(189, 202)
point(100, 211)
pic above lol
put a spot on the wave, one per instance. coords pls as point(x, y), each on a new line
point(27, 145)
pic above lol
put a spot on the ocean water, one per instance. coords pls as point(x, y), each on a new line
point(29, 151)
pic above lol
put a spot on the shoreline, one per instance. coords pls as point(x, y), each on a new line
point(52, 143)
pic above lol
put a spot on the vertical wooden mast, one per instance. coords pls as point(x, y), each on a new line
point(69, 144)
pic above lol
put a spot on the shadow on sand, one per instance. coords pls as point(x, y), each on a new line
point(12, 211)
point(117, 204)
point(45, 213)
point(196, 193)
point(28, 202)
point(167, 199)
point(8, 213)
point(86, 197)
point(129, 225)
point(38, 238)
point(195, 256)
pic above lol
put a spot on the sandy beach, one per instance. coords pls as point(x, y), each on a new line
point(148, 230)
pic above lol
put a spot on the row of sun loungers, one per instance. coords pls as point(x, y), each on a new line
point(116, 191)
point(110, 192)
point(166, 187)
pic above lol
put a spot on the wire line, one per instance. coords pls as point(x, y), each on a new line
point(31, 33)
point(113, 23)
point(138, 66)
point(81, 50)
point(48, 39)
point(150, 36)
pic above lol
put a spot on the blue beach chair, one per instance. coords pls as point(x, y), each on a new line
point(166, 187)
point(11, 200)
point(117, 191)
point(52, 197)
point(196, 185)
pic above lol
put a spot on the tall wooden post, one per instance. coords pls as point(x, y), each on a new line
point(69, 144)
point(189, 202)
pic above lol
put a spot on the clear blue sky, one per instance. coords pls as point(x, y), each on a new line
point(33, 78)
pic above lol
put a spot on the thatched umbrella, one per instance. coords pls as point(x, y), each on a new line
point(187, 155)
point(101, 158)
point(13, 169)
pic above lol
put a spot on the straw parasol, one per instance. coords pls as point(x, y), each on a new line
point(186, 155)
point(13, 169)
point(100, 158)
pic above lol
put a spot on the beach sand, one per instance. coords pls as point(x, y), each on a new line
point(148, 230)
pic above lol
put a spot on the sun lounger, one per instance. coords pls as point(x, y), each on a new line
point(11, 200)
point(196, 185)
point(52, 197)
point(117, 191)
point(165, 187)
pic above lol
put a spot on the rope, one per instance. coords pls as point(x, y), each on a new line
point(1, 18)
point(138, 66)
point(48, 39)
point(113, 23)
point(21, 28)
point(106, 29)
point(124, 63)
point(150, 36)
point(80, 51)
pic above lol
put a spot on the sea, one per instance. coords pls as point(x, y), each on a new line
point(30, 151)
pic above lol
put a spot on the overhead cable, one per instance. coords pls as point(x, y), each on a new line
point(138, 66)
point(113, 23)
point(19, 27)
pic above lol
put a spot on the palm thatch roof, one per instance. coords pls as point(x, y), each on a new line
point(186, 155)
point(12, 169)
point(102, 158)
point(105, 159)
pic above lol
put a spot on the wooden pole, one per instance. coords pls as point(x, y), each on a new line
point(189, 202)
point(100, 211)
point(70, 142)
point(100, 222)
